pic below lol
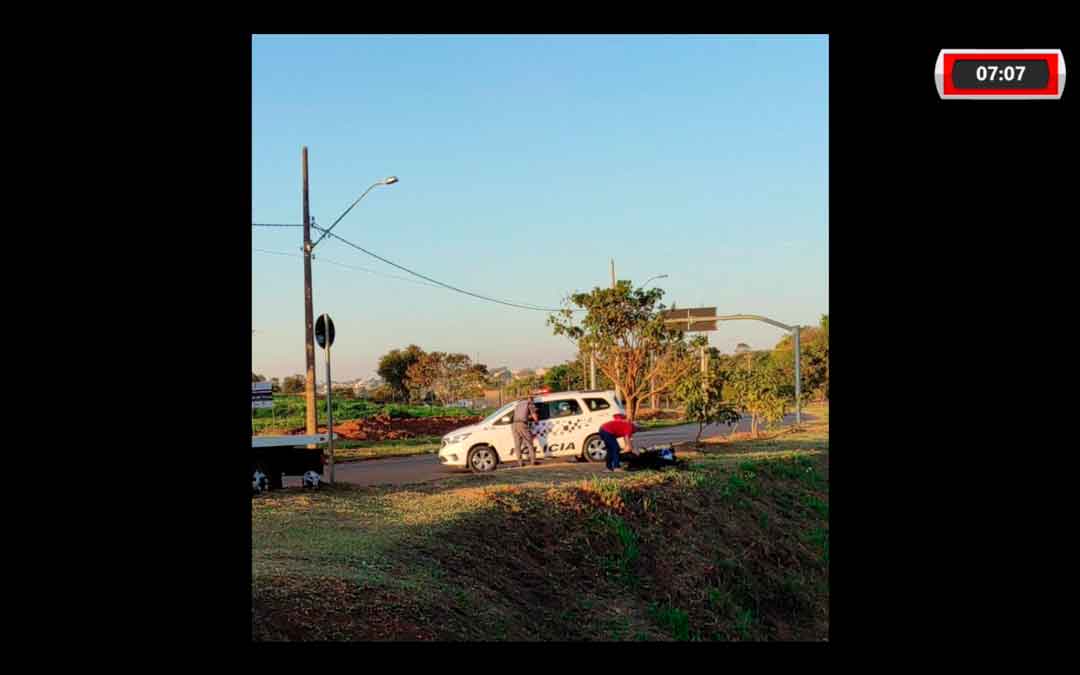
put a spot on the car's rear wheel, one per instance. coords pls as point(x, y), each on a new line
point(483, 459)
point(594, 449)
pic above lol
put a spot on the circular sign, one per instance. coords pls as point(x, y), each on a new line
point(324, 331)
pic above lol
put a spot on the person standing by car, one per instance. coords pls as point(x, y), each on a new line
point(610, 432)
point(524, 413)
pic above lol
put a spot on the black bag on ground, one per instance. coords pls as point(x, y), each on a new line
point(659, 457)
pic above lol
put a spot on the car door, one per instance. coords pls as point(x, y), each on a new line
point(501, 436)
point(561, 423)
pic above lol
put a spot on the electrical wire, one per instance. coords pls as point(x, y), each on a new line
point(435, 281)
point(417, 274)
point(318, 259)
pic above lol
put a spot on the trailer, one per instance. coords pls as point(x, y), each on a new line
point(273, 457)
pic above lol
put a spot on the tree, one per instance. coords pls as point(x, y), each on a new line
point(705, 403)
point(294, 384)
point(275, 385)
point(384, 393)
point(344, 391)
point(813, 358)
point(257, 378)
point(449, 377)
point(557, 378)
point(625, 331)
point(480, 371)
point(524, 385)
point(761, 392)
point(394, 366)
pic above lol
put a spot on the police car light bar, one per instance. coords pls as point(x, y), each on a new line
point(1000, 74)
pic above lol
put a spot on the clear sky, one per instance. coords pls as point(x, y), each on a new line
point(525, 164)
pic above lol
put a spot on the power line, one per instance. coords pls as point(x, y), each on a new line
point(351, 267)
point(417, 274)
point(381, 274)
point(435, 281)
point(262, 250)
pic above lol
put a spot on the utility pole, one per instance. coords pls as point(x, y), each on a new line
point(309, 320)
point(798, 378)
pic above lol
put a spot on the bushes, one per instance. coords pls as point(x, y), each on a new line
point(289, 411)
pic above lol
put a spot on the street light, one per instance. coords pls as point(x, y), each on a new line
point(386, 181)
point(309, 319)
point(659, 276)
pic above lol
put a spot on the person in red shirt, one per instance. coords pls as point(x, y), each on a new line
point(610, 432)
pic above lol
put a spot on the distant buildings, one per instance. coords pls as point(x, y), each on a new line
point(361, 386)
point(358, 386)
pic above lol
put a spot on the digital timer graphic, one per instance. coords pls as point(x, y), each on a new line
point(1000, 74)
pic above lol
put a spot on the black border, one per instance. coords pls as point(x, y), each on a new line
point(924, 254)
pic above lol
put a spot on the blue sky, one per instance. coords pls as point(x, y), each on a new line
point(525, 164)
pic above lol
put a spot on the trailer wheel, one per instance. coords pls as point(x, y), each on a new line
point(260, 480)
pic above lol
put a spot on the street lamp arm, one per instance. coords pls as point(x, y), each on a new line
point(658, 276)
point(327, 230)
point(753, 317)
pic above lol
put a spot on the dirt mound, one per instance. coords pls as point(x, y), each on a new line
point(386, 428)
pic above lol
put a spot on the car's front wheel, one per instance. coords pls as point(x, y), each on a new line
point(483, 459)
point(595, 450)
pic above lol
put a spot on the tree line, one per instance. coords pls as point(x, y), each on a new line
point(635, 352)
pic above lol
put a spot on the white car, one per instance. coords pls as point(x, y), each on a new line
point(568, 427)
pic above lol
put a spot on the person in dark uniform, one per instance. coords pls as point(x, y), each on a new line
point(524, 413)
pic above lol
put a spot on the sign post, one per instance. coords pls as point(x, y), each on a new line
point(324, 335)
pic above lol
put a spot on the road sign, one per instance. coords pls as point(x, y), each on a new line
point(692, 319)
point(262, 395)
point(324, 331)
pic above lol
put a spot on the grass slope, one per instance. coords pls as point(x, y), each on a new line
point(733, 548)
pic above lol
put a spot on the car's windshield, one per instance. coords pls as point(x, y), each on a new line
point(498, 413)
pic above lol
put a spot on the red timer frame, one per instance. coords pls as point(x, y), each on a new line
point(1051, 87)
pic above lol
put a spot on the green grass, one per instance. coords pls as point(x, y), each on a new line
point(673, 620)
point(734, 548)
point(622, 564)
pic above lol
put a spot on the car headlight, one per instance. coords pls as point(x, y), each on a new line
point(451, 440)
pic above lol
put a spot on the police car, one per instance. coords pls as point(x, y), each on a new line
point(567, 427)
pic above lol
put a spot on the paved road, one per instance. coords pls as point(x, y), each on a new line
point(422, 468)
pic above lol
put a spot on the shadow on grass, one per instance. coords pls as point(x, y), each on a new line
point(704, 554)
